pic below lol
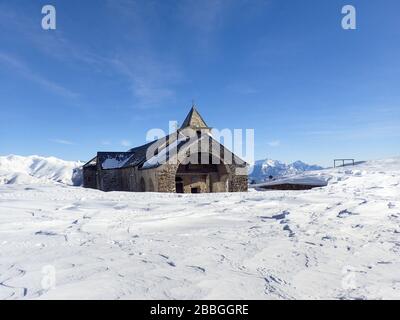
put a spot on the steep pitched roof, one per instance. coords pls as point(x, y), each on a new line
point(145, 157)
point(182, 143)
point(135, 157)
point(194, 120)
point(91, 162)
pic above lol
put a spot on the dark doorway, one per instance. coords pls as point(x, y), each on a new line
point(195, 190)
point(179, 185)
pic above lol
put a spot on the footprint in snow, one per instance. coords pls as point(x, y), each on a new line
point(197, 268)
point(328, 238)
point(120, 206)
point(287, 228)
point(345, 213)
point(279, 216)
point(46, 233)
point(69, 207)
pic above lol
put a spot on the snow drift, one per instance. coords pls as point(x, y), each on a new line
point(39, 170)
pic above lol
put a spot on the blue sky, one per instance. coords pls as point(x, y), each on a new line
point(114, 69)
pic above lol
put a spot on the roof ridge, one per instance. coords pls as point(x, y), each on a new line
point(194, 119)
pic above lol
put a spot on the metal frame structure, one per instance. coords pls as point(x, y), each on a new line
point(343, 162)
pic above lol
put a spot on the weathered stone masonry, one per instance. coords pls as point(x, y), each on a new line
point(135, 170)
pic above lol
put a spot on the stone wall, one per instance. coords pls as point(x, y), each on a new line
point(110, 180)
point(125, 179)
point(162, 179)
point(128, 181)
point(150, 180)
point(90, 177)
point(231, 178)
point(238, 184)
point(165, 177)
point(238, 181)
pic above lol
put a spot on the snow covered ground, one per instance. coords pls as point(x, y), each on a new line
point(337, 242)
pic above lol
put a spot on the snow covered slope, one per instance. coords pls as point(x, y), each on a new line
point(262, 169)
point(334, 175)
point(337, 242)
point(35, 169)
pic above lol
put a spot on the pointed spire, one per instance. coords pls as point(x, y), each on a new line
point(194, 119)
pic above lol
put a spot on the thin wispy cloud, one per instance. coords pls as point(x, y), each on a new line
point(274, 143)
point(62, 141)
point(361, 130)
point(54, 44)
point(207, 19)
point(150, 80)
point(125, 143)
point(151, 74)
point(105, 142)
point(242, 89)
point(204, 16)
point(322, 132)
point(23, 70)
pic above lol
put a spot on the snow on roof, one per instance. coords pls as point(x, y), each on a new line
point(165, 153)
point(133, 157)
point(91, 162)
point(113, 160)
point(112, 163)
point(159, 150)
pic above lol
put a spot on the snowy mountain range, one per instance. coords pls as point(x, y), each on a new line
point(38, 170)
point(263, 169)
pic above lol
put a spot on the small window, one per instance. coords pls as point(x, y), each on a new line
point(195, 190)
